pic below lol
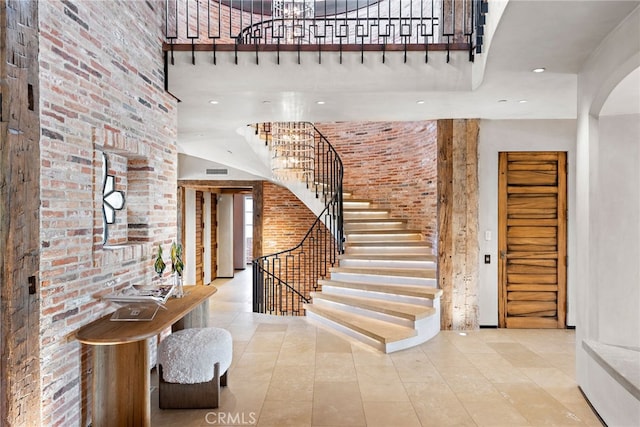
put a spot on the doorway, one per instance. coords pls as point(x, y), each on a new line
point(532, 239)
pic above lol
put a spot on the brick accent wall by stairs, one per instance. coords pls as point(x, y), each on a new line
point(384, 290)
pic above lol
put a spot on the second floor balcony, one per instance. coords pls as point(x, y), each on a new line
point(344, 25)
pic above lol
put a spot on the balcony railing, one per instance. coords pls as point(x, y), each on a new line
point(324, 25)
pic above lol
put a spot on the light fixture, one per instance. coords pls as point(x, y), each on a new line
point(292, 151)
point(420, 102)
point(320, 102)
point(288, 19)
point(462, 334)
point(214, 102)
point(523, 101)
point(539, 70)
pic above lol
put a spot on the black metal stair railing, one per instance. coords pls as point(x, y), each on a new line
point(319, 24)
point(282, 281)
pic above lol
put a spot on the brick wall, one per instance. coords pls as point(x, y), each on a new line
point(101, 76)
point(286, 219)
point(392, 163)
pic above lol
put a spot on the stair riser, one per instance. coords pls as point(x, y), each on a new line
point(346, 204)
point(406, 250)
point(365, 215)
point(429, 265)
point(364, 237)
point(363, 311)
point(382, 296)
point(374, 226)
point(374, 278)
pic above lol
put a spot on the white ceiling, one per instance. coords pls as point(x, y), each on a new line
point(556, 35)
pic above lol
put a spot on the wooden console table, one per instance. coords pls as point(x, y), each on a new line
point(121, 371)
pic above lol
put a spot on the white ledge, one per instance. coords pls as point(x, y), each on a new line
point(622, 363)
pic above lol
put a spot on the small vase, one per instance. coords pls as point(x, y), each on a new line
point(178, 291)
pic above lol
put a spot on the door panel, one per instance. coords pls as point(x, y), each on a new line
point(532, 239)
point(199, 238)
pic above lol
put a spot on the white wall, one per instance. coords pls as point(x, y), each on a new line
point(617, 219)
point(225, 235)
point(189, 245)
point(607, 236)
point(517, 135)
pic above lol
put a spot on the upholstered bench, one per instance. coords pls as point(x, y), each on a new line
point(192, 365)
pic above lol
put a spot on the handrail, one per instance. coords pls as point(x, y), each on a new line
point(282, 281)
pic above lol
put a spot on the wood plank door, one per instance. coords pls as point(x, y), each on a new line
point(199, 237)
point(532, 239)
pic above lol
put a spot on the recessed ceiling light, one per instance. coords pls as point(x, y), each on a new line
point(523, 101)
point(320, 102)
point(420, 102)
point(539, 70)
point(502, 100)
point(462, 334)
point(213, 102)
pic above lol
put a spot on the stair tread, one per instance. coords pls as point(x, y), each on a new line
point(385, 231)
point(379, 330)
point(356, 200)
point(374, 220)
point(354, 209)
point(390, 257)
point(387, 288)
point(427, 273)
point(393, 308)
point(420, 243)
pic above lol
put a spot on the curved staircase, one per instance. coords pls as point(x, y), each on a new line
point(383, 291)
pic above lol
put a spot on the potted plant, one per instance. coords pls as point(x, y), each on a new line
point(176, 268)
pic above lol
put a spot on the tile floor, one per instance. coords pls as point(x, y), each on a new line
point(289, 372)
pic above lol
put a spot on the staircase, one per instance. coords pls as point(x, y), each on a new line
point(383, 291)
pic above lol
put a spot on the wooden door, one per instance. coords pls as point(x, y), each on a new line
point(199, 237)
point(532, 239)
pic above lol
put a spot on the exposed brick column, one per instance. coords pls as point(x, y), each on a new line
point(458, 223)
point(19, 214)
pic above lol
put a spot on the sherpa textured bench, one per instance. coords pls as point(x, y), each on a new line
point(192, 365)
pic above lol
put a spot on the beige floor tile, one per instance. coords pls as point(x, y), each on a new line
point(292, 383)
point(271, 327)
point(437, 405)
point(329, 342)
point(385, 414)
point(256, 367)
point(243, 398)
point(382, 391)
point(468, 383)
point(495, 413)
point(265, 341)
point(335, 367)
point(282, 413)
point(583, 411)
point(469, 343)
point(337, 404)
point(497, 369)
point(415, 367)
point(537, 406)
point(369, 356)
